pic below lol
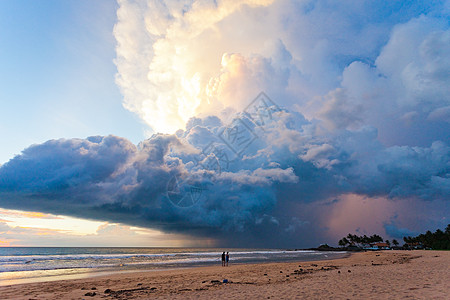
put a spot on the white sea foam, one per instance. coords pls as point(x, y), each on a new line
point(29, 259)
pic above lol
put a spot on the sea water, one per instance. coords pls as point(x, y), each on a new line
point(35, 264)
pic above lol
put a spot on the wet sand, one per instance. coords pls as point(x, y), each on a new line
point(369, 275)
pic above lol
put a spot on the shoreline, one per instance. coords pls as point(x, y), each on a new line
point(397, 274)
point(45, 275)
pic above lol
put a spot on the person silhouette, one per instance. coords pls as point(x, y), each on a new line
point(227, 258)
point(223, 259)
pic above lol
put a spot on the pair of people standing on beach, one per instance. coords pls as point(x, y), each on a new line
point(225, 259)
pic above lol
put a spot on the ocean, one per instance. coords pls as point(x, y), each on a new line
point(37, 264)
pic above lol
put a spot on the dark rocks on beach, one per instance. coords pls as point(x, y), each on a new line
point(287, 275)
point(349, 271)
point(107, 291)
point(339, 272)
point(313, 265)
point(91, 294)
point(139, 284)
point(215, 281)
point(265, 274)
point(94, 288)
point(203, 281)
point(298, 272)
point(281, 271)
point(152, 289)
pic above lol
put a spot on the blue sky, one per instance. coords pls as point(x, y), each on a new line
point(57, 74)
point(351, 135)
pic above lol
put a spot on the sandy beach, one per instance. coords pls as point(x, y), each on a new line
point(369, 275)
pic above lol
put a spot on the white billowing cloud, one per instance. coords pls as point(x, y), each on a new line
point(178, 59)
point(166, 54)
point(349, 64)
point(408, 84)
point(417, 61)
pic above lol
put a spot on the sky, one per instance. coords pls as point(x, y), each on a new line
point(253, 123)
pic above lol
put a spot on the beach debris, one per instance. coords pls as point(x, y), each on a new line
point(265, 274)
point(225, 281)
point(300, 271)
point(120, 293)
point(215, 281)
point(313, 265)
point(90, 294)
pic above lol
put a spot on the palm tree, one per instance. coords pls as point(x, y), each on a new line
point(343, 242)
point(395, 242)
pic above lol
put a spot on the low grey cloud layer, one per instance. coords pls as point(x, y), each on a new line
point(108, 178)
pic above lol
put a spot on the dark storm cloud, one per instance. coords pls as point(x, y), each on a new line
point(108, 178)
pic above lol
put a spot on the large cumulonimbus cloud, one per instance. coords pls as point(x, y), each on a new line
point(360, 108)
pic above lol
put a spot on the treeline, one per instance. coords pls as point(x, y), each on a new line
point(438, 240)
point(353, 240)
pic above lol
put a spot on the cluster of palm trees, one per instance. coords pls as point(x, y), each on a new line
point(355, 240)
point(438, 240)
